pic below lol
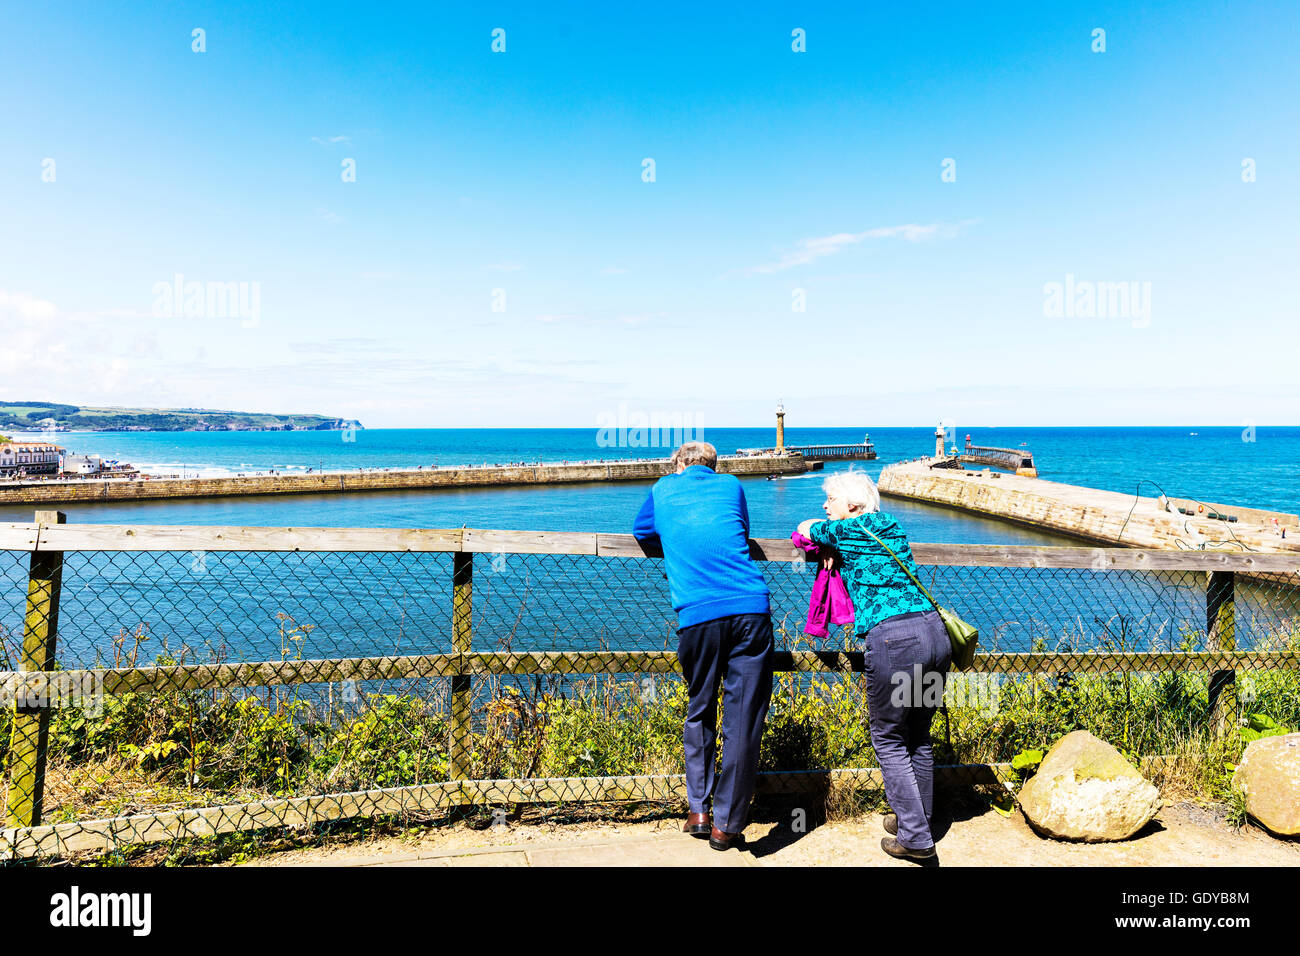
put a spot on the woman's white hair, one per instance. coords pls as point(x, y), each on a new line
point(855, 488)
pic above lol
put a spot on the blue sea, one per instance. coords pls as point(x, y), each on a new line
point(235, 606)
point(1215, 464)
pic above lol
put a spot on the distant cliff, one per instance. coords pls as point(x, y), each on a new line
point(35, 416)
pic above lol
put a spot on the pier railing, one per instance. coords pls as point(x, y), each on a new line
point(163, 683)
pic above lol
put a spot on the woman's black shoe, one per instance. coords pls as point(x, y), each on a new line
point(897, 850)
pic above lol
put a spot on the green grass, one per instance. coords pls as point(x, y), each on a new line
point(196, 748)
point(185, 748)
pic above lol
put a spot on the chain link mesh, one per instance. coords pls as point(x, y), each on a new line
point(223, 690)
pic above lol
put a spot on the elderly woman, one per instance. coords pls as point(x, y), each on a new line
point(907, 652)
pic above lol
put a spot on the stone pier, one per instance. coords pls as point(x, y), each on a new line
point(396, 479)
point(1104, 517)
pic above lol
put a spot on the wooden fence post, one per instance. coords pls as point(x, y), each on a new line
point(1221, 635)
point(31, 721)
point(460, 743)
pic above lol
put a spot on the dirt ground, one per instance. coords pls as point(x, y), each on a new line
point(1183, 834)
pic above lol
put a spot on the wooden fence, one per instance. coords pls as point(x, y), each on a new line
point(50, 537)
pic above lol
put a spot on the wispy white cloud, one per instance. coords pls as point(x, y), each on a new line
point(19, 305)
point(819, 247)
point(332, 140)
point(47, 346)
point(123, 357)
point(613, 271)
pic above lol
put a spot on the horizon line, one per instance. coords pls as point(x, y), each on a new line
point(598, 428)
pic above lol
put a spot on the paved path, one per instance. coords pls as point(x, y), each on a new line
point(1183, 835)
point(620, 849)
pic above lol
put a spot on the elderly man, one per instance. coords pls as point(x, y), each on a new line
point(724, 632)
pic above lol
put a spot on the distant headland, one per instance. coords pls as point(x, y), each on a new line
point(53, 416)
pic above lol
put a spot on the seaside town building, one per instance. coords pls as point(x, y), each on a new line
point(29, 458)
point(82, 464)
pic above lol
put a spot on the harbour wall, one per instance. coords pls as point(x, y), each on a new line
point(1090, 514)
point(119, 489)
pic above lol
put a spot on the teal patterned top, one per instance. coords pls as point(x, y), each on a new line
point(876, 584)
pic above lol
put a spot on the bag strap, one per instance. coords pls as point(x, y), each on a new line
point(906, 570)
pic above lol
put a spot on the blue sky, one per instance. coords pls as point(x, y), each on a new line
point(775, 171)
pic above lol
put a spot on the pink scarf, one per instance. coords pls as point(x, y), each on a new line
point(830, 602)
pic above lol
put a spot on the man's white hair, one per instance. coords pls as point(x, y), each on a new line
point(855, 488)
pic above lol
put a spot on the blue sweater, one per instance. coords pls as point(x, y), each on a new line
point(701, 520)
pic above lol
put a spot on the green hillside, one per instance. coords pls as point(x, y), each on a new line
point(33, 416)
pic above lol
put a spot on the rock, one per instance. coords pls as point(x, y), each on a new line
point(1269, 776)
point(1086, 790)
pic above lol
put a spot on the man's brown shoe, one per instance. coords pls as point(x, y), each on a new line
point(890, 823)
point(724, 841)
point(698, 825)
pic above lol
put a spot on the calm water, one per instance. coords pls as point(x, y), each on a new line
point(230, 605)
point(1215, 464)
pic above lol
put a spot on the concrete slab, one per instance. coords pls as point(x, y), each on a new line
point(666, 850)
point(517, 858)
point(662, 848)
point(1182, 835)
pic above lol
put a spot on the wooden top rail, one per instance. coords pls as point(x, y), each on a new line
point(81, 683)
point(107, 537)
